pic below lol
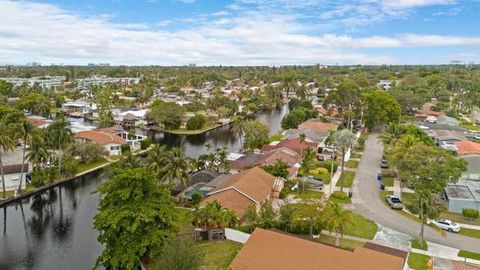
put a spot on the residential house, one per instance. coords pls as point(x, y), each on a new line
point(291, 158)
point(464, 194)
point(281, 251)
point(12, 169)
point(111, 142)
point(386, 85)
point(294, 144)
point(250, 187)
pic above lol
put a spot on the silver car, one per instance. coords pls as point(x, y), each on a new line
point(394, 202)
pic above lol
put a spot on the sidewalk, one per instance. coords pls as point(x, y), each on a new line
point(444, 252)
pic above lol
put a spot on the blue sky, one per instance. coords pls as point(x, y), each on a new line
point(239, 32)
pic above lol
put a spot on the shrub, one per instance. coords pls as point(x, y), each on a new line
point(328, 165)
point(196, 122)
point(413, 207)
point(125, 149)
point(145, 143)
point(340, 195)
point(470, 213)
point(38, 178)
point(318, 171)
point(361, 141)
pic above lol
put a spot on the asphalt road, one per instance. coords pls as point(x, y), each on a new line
point(367, 202)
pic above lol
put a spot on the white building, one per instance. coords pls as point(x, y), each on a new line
point(386, 85)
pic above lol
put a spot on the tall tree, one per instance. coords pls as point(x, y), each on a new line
point(338, 220)
point(344, 140)
point(176, 166)
point(381, 109)
point(429, 170)
point(6, 144)
point(135, 218)
point(60, 137)
point(256, 134)
point(27, 132)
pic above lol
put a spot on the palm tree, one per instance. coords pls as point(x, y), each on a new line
point(6, 144)
point(37, 153)
point(156, 159)
point(237, 130)
point(344, 140)
point(61, 136)
point(130, 161)
point(176, 167)
point(27, 131)
point(338, 220)
point(288, 84)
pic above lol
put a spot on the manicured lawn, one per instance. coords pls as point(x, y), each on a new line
point(218, 254)
point(325, 178)
point(460, 218)
point(191, 132)
point(470, 232)
point(469, 254)
point(344, 243)
point(352, 164)
point(340, 201)
point(388, 181)
point(86, 167)
point(416, 244)
point(418, 261)
point(362, 227)
point(309, 194)
point(348, 180)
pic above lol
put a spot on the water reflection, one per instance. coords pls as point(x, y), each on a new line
point(54, 229)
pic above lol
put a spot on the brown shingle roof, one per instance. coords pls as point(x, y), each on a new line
point(240, 190)
point(100, 137)
point(272, 250)
point(15, 168)
point(467, 148)
point(269, 158)
point(292, 144)
point(318, 126)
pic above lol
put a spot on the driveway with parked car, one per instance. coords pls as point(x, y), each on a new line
point(367, 201)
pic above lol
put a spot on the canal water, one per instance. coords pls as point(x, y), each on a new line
point(54, 229)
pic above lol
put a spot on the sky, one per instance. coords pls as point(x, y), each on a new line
point(239, 32)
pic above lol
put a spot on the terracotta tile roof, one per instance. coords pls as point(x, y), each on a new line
point(38, 122)
point(468, 148)
point(100, 137)
point(318, 125)
point(268, 158)
point(254, 184)
point(273, 250)
point(294, 144)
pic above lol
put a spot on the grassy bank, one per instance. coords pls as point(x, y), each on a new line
point(182, 131)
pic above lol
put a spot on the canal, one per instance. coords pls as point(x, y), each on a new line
point(54, 229)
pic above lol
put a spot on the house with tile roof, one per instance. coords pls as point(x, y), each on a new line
point(294, 144)
point(267, 249)
point(290, 157)
point(111, 142)
point(250, 187)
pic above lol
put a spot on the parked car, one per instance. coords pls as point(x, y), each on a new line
point(384, 164)
point(423, 127)
point(320, 158)
point(446, 225)
point(328, 148)
point(394, 202)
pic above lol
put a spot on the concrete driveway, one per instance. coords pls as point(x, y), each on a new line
point(367, 202)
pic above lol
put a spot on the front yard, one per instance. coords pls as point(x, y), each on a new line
point(418, 261)
point(348, 179)
point(362, 227)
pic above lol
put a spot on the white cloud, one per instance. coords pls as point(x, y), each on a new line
point(414, 3)
point(46, 33)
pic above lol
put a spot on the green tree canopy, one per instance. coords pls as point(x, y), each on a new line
point(135, 218)
point(382, 109)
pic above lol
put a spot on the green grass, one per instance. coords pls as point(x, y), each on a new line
point(325, 178)
point(418, 261)
point(469, 254)
point(309, 194)
point(460, 218)
point(338, 200)
point(470, 232)
point(416, 244)
point(276, 137)
point(388, 181)
point(352, 164)
point(362, 227)
point(182, 131)
point(86, 167)
point(344, 243)
point(218, 254)
point(348, 179)
point(356, 155)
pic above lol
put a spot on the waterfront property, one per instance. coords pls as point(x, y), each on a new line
point(291, 158)
point(12, 169)
point(111, 142)
point(250, 187)
point(277, 250)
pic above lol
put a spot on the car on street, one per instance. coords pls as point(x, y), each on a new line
point(394, 202)
point(445, 224)
point(384, 164)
